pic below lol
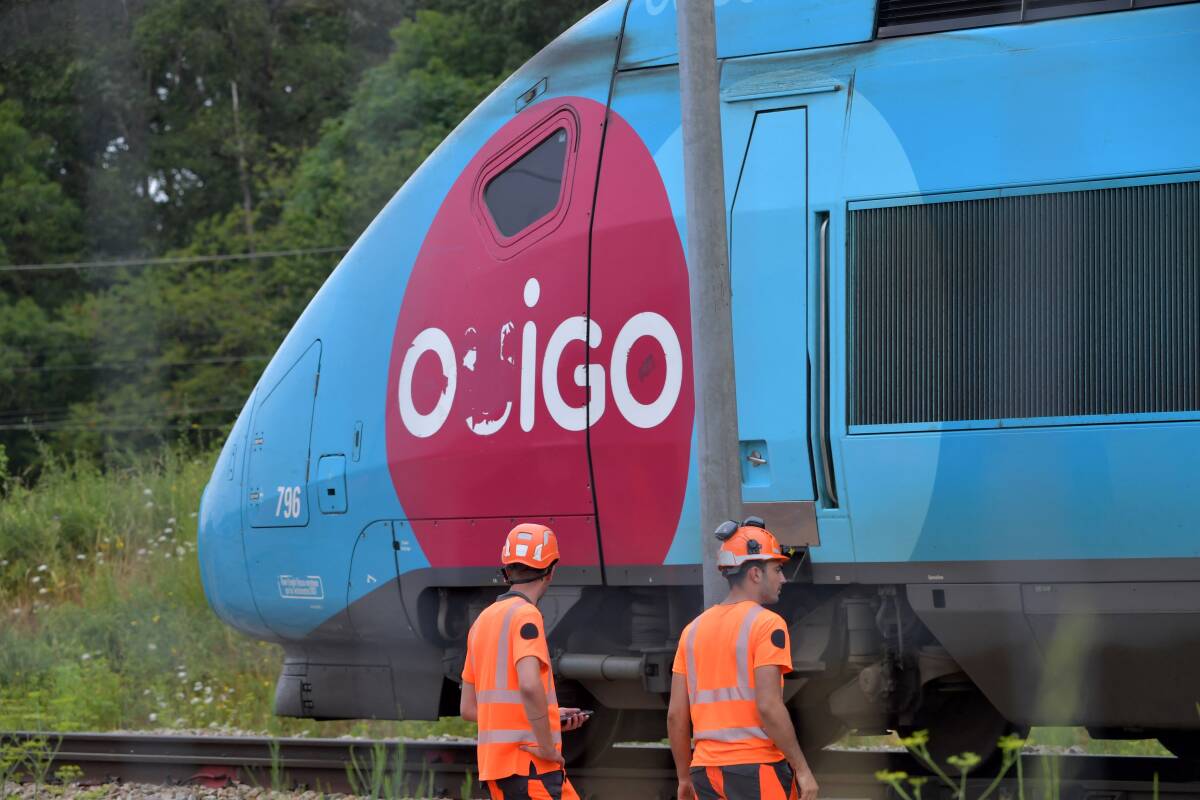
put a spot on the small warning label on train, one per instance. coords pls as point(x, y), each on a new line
point(307, 587)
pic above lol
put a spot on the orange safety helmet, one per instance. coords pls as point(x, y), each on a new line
point(748, 541)
point(530, 544)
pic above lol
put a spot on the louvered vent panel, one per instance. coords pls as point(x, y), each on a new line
point(1046, 305)
point(904, 17)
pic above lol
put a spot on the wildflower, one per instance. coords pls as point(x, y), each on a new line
point(152, 647)
point(85, 657)
point(168, 530)
point(162, 538)
point(179, 695)
point(208, 700)
point(80, 557)
point(153, 717)
point(36, 579)
point(149, 504)
point(43, 590)
point(166, 555)
point(193, 701)
point(179, 551)
point(141, 551)
point(42, 568)
point(197, 686)
point(170, 520)
point(917, 739)
point(1011, 743)
point(3, 562)
point(145, 692)
point(147, 492)
point(964, 762)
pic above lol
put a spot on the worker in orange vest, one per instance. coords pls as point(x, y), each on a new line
point(508, 686)
point(727, 687)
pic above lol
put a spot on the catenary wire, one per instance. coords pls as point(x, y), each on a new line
point(171, 261)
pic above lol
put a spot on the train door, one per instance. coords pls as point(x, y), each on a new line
point(491, 345)
point(291, 585)
point(768, 236)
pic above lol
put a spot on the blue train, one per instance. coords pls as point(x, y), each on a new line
point(965, 258)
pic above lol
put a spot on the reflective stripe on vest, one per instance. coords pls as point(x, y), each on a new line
point(502, 694)
point(509, 696)
point(742, 691)
point(732, 734)
point(513, 736)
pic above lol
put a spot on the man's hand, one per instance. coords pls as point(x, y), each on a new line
point(806, 782)
point(549, 754)
point(686, 791)
point(571, 718)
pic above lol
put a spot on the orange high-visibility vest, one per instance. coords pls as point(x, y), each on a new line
point(507, 631)
point(718, 653)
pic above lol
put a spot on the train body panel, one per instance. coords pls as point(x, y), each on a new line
point(510, 339)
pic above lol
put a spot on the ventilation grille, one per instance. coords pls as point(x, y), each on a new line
point(1044, 305)
point(906, 17)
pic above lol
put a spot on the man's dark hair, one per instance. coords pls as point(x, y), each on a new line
point(521, 573)
point(736, 576)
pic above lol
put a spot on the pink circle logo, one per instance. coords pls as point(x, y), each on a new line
point(545, 372)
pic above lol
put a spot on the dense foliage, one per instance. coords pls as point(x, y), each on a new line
point(136, 129)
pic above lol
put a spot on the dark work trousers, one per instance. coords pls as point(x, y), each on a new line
point(547, 786)
point(745, 782)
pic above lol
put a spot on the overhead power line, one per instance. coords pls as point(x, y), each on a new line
point(144, 362)
point(171, 261)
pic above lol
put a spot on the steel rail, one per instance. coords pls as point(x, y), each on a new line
point(443, 769)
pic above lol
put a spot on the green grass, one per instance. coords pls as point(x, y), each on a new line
point(103, 620)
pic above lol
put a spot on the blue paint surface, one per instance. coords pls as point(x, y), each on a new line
point(1109, 96)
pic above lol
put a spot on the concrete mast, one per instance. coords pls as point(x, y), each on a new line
point(708, 262)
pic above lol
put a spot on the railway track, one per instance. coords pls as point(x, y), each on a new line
point(432, 769)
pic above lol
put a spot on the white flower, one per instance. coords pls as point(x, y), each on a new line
point(85, 656)
point(152, 646)
point(166, 555)
point(193, 515)
point(42, 568)
point(153, 717)
point(147, 492)
point(36, 579)
point(179, 695)
point(150, 504)
point(181, 675)
point(170, 520)
point(145, 692)
point(141, 551)
point(208, 700)
point(3, 562)
point(107, 539)
point(168, 530)
point(43, 590)
point(197, 686)
point(179, 551)
point(80, 557)
point(193, 701)
point(162, 538)
point(208, 690)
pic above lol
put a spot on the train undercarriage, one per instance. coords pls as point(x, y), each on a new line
point(949, 659)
